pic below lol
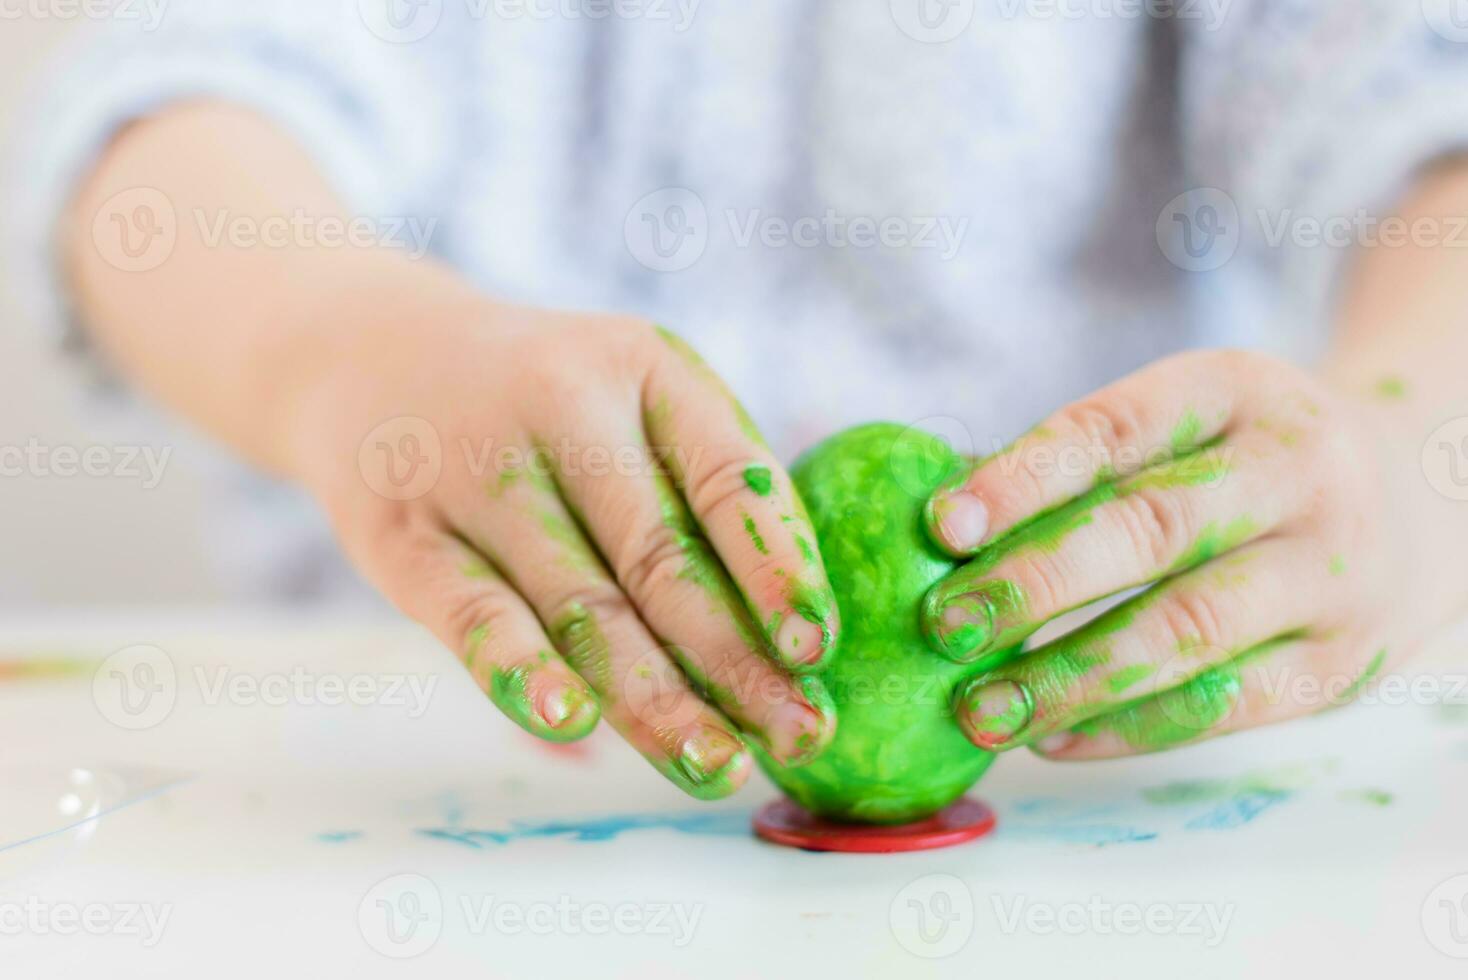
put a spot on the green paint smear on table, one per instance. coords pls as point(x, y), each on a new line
point(1285, 779)
point(1373, 797)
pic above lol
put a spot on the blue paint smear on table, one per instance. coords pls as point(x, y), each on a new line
point(723, 823)
point(1244, 807)
point(338, 836)
point(1065, 822)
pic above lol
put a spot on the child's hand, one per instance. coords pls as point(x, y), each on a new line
point(1244, 488)
point(591, 520)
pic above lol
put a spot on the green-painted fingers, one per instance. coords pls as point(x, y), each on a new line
point(1168, 409)
point(459, 594)
point(1155, 642)
point(1157, 523)
point(1273, 682)
point(542, 549)
point(743, 504)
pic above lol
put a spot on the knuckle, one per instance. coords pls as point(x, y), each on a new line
point(1108, 423)
point(1156, 525)
point(1014, 490)
point(652, 564)
point(1045, 583)
point(585, 605)
point(717, 488)
point(484, 612)
point(1197, 618)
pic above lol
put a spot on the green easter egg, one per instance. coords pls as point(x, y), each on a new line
point(898, 754)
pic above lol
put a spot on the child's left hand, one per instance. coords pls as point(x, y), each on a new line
point(1245, 489)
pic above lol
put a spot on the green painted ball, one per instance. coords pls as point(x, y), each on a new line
point(898, 754)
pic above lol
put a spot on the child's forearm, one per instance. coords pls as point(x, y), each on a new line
point(231, 335)
point(1402, 342)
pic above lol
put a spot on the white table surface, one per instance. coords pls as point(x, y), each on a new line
point(219, 832)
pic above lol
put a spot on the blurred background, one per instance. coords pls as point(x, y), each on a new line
point(72, 540)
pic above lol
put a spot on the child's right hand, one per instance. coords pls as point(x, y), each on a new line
point(499, 474)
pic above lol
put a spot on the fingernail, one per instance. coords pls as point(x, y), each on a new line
point(707, 755)
point(961, 518)
point(800, 641)
point(568, 710)
point(559, 703)
point(797, 731)
point(997, 712)
point(965, 624)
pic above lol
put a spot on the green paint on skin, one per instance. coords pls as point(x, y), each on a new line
point(896, 754)
point(1205, 468)
point(695, 360)
point(1337, 566)
point(758, 479)
point(1391, 388)
point(1173, 717)
point(1183, 714)
point(998, 610)
point(659, 415)
point(751, 529)
point(579, 637)
point(701, 566)
point(477, 568)
point(473, 644)
point(574, 553)
point(1127, 677)
point(1214, 541)
point(1186, 433)
point(1287, 435)
point(807, 551)
point(1004, 724)
point(691, 768)
point(574, 714)
point(1367, 676)
point(506, 479)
